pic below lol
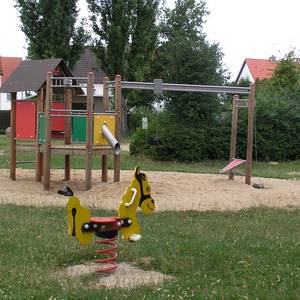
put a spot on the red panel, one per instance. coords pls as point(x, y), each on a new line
point(58, 123)
point(25, 119)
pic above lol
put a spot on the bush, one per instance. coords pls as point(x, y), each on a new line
point(174, 140)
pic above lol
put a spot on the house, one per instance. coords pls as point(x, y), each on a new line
point(7, 67)
point(31, 74)
point(88, 63)
point(257, 69)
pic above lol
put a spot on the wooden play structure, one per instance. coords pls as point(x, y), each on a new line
point(40, 124)
point(36, 123)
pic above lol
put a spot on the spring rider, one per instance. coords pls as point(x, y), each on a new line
point(84, 227)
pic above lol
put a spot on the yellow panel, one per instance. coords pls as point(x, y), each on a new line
point(77, 216)
point(99, 120)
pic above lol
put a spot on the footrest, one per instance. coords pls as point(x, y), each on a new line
point(235, 163)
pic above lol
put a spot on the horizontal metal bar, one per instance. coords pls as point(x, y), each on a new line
point(187, 87)
point(137, 85)
point(111, 84)
point(205, 88)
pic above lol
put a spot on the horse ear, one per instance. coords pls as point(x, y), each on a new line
point(137, 171)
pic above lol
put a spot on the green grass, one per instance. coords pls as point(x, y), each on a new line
point(284, 170)
point(250, 254)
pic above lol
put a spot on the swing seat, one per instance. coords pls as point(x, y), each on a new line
point(232, 165)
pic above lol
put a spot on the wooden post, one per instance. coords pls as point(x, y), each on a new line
point(38, 154)
point(68, 107)
point(105, 109)
point(233, 137)
point(251, 106)
point(89, 131)
point(13, 146)
point(118, 96)
point(47, 152)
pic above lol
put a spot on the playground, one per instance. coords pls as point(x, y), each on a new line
point(171, 191)
point(210, 237)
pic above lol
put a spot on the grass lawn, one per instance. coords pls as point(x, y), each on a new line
point(250, 254)
point(284, 170)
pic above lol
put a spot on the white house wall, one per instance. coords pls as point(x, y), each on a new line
point(245, 74)
point(5, 101)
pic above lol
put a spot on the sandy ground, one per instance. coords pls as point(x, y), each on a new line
point(125, 276)
point(171, 191)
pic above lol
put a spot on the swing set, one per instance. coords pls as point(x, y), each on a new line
point(158, 87)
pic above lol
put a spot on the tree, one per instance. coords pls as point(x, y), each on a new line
point(185, 56)
point(50, 30)
point(286, 75)
point(125, 39)
point(190, 129)
point(126, 35)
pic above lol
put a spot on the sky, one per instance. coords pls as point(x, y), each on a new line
point(243, 29)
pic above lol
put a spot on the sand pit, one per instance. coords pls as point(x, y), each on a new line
point(125, 276)
point(171, 191)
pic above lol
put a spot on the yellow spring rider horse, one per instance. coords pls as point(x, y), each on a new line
point(83, 226)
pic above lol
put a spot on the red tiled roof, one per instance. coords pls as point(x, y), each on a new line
point(261, 68)
point(9, 64)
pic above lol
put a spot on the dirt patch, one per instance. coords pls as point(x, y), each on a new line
point(125, 276)
point(171, 191)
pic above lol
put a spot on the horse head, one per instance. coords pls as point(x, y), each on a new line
point(138, 194)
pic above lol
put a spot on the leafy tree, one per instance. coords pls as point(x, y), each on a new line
point(185, 56)
point(49, 27)
point(286, 76)
point(125, 41)
point(190, 131)
point(125, 35)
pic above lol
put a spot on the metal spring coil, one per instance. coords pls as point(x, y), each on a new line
point(111, 252)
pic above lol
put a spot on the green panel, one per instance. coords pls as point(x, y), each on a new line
point(78, 129)
point(41, 128)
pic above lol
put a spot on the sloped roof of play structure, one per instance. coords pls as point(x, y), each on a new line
point(30, 75)
point(88, 63)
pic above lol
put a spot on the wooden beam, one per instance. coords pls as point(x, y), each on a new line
point(67, 133)
point(104, 168)
point(89, 131)
point(105, 109)
point(38, 154)
point(104, 165)
point(13, 149)
point(105, 95)
point(118, 110)
point(251, 106)
point(47, 152)
point(233, 137)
